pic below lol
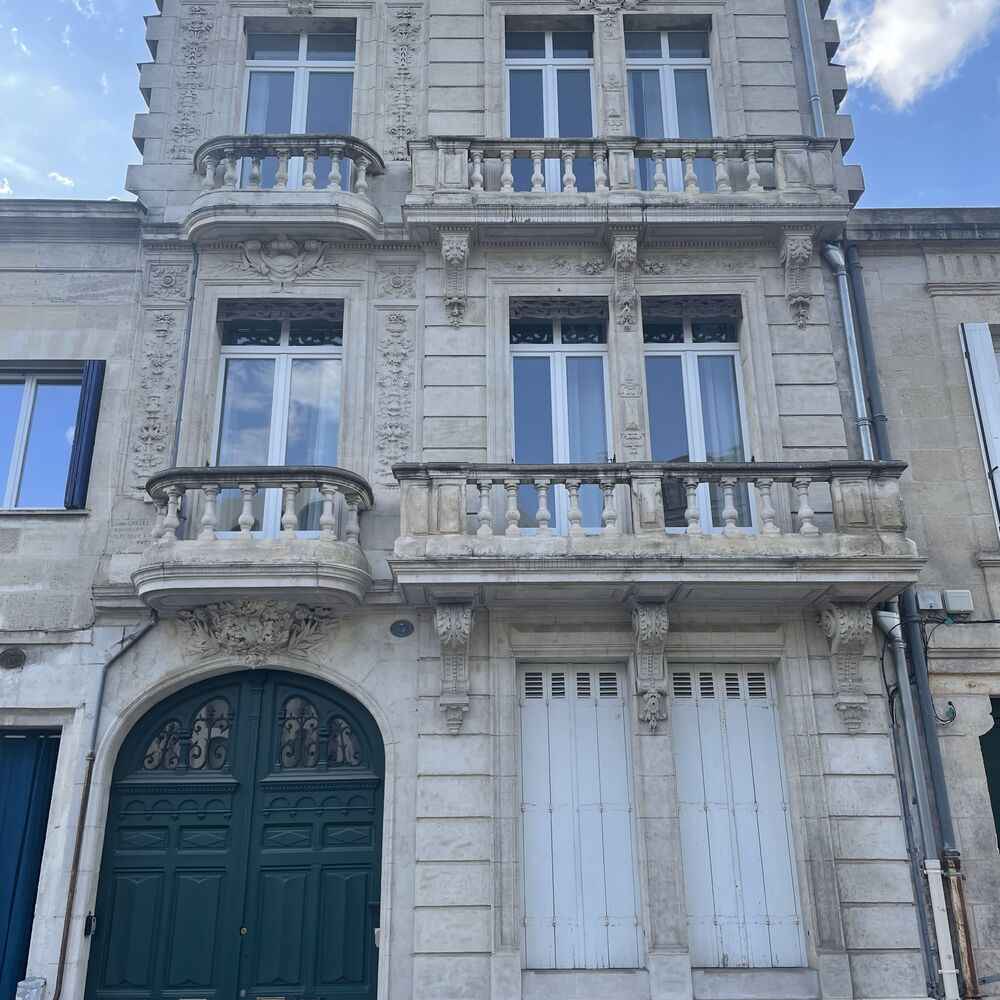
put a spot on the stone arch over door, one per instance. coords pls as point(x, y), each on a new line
point(243, 845)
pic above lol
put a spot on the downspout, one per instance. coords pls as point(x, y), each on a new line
point(815, 102)
point(88, 776)
point(950, 855)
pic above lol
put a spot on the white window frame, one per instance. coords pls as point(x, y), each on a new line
point(982, 362)
point(689, 353)
point(30, 381)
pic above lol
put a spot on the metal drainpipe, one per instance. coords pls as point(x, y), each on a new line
point(88, 776)
point(815, 101)
point(913, 636)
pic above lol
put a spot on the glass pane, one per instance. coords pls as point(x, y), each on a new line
point(268, 46)
point(668, 428)
point(688, 44)
point(584, 333)
point(315, 333)
point(525, 44)
point(572, 45)
point(337, 47)
point(526, 103)
point(10, 409)
point(694, 113)
point(531, 332)
point(328, 105)
point(575, 102)
point(251, 332)
point(662, 332)
point(723, 430)
point(269, 110)
point(245, 428)
point(585, 418)
point(646, 103)
point(642, 45)
point(713, 331)
point(532, 411)
point(313, 412)
point(50, 441)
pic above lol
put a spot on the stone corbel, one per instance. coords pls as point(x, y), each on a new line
point(795, 254)
point(848, 628)
point(650, 623)
point(455, 252)
point(454, 627)
point(624, 251)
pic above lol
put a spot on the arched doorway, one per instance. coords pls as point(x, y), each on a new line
point(243, 846)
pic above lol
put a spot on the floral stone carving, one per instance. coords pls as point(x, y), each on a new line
point(403, 83)
point(282, 259)
point(624, 251)
point(848, 627)
point(394, 381)
point(455, 252)
point(795, 254)
point(650, 623)
point(454, 627)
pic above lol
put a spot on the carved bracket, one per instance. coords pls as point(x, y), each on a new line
point(282, 259)
point(795, 254)
point(848, 628)
point(455, 251)
point(454, 627)
point(650, 623)
point(624, 251)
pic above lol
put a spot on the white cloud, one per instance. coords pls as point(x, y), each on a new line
point(906, 48)
point(18, 44)
point(105, 87)
point(65, 36)
point(60, 179)
point(5, 189)
point(85, 7)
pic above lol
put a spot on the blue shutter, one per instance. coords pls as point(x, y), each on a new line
point(91, 385)
point(27, 767)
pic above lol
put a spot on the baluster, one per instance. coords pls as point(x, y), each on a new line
point(575, 514)
point(537, 175)
point(171, 519)
point(729, 511)
point(569, 178)
point(281, 176)
point(690, 177)
point(208, 178)
point(692, 513)
point(289, 519)
point(485, 514)
point(309, 170)
point(753, 177)
point(512, 515)
point(609, 514)
point(253, 181)
point(161, 512)
point(209, 518)
point(721, 171)
point(543, 515)
point(231, 175)
point(507, 171)
point(328, 520)
point(659, 177)
point(361, 183)
point(246, 518)
point(805, 512)
point(334, 178)
point(600, 170)
point(352, 530)
point(477, 169)
point(767, 511)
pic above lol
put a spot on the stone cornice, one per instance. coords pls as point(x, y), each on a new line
point(39, 219)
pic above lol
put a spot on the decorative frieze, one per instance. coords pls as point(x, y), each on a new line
point(157, 391)
point(795, 254)
point(555, 266)
point(298, 8)
point(686, 263)
point(455, 253)
point(394, 380)
point(624, 251)
point(848, 627)
point(650, 624)
point(252, 630)
point(453, 623)
point(401, 127)
point(191, 86)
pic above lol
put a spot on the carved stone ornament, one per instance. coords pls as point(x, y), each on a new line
point(455, 252)
point(559, 308)
point(394, 381)
point(795, 254)
point(403, 84)
point(252, 630)
point(191, 86)
point(396, 282)
point(157, 391)
point(282, 259)
point(608, 6)
point(624, 251)
point(454, 627)
point(650, 623)
point(167, 281)
point(848, 628)
point(297, 8)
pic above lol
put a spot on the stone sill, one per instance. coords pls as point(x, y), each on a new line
point(43, 512)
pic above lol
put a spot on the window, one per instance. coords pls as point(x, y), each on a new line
point(670, 95)
point(736, 838)
point(48, 421)
point(695, 398)
point(298, 83)
point(279, 399)
point(581, 902)
point(550, 93)
point(982, 351)
point(559, 360)
point(990, 745)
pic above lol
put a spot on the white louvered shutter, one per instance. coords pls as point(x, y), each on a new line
point(578, 860)
point(984, 381)
point(739, 868)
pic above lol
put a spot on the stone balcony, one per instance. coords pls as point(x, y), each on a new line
point(320, 187)
point(269, 532)
point(464, 532)
point(755, 183)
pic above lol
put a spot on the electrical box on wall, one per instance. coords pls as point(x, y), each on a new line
point(958, 602)
point(929, 600)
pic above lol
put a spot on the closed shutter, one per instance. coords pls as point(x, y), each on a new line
point(581, 908)
point(85, 435)
point(739, 867)
point(984, 381)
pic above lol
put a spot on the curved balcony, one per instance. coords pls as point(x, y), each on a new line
point(314, 184)
point(291, 533)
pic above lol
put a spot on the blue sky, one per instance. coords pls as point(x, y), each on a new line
point(925, 97)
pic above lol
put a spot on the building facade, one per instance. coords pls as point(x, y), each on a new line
point(439, 552)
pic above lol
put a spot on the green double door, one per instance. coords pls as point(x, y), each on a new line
point(243, 845)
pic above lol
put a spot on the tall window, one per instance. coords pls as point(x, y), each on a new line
point(670, 95)
point(299, 83)
point(982, 351)
point(694, 397)
point(550, 94)
point(559, 355)
point(279, 398)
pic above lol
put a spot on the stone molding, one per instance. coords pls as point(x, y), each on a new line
point(650, 624)
point(455, 253)
point(252, 630)
point(624, 253)
point(394, 381)
point(795, 254)
point(453, 623)
point(848, 627)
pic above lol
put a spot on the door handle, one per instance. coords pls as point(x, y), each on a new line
point(243, 932)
